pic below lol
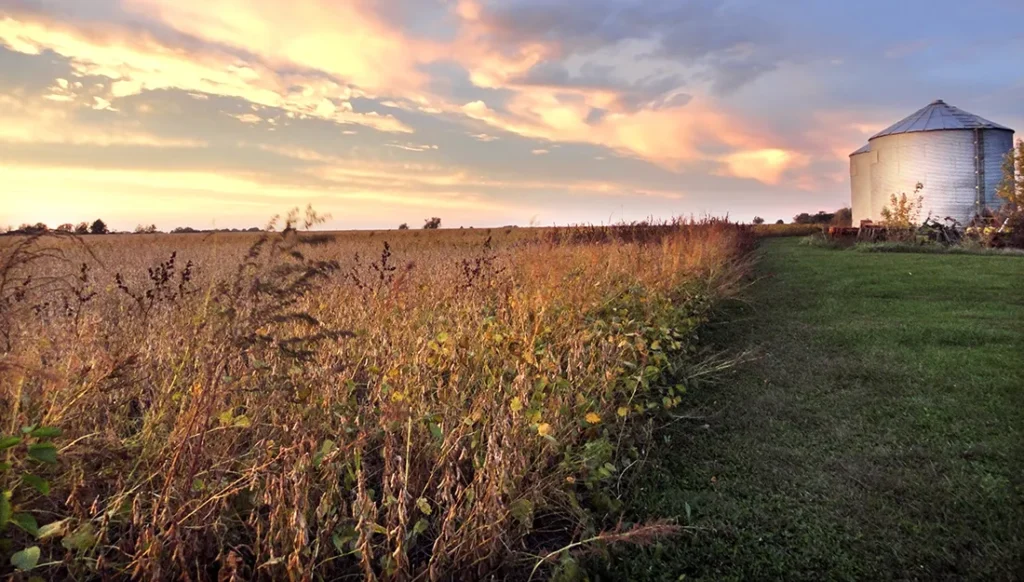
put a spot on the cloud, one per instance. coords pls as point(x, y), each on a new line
point(290, 57)
point(137, 62)
point(715, 101)
point(766, 165)
point(712, 40)
point(39, 123)
point(346, 40)
point(652, 91)
point(411, 147)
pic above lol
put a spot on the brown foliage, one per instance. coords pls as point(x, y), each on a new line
point(286, 405)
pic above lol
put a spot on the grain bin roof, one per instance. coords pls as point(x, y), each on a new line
point(863, 150)
point(937, 116)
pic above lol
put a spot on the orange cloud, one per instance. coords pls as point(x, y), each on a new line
point(344, 39)
point(669, 137)
point(311, 57)
point(137, 63)
point(765, 165)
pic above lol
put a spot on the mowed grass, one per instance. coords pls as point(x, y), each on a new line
point(878, 434)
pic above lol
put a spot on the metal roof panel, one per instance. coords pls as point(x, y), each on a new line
point(863, 150)
point(938, 115)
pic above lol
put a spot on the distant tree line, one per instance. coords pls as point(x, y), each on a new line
point(100, 227)
point(97, 227)
point(841, 217)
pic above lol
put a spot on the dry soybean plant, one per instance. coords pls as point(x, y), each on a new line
point(301, 405)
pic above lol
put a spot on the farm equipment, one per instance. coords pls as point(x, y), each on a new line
point(948, 232)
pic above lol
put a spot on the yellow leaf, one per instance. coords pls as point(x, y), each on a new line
point(516, 404)
point(623, 411)
point(593, 418)
point(243, 421)
point(544, 429)
point(423, 506)
point(225, 417)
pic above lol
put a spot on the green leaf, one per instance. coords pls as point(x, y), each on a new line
point(26, 522)
point(5, 508)
point(4, 466)
point(26, 559)
point(522, 510)
point(420, 527)
point(435, 430)
point(243, 421)
point(55, 529)
point(43, 452)
point(342, 537)
point(82, 538)
point(326, 448)
point(339, 543)
point(46, 432)
point(8, 442)
point(41, 485)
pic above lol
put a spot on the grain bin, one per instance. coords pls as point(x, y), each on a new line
point(860, 184)
point(956, 155)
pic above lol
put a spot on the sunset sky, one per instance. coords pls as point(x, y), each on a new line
point(221, 113)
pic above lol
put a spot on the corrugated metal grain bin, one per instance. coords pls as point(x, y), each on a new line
point(956, 155)
point(860, 184)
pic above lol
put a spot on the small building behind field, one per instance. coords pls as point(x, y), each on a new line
point(957, 157)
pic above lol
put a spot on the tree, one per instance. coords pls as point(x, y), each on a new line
point(821, 217)
point(98, 227)
point(1011, 188)
point(780, 221)
point(82, 228)
point(403, 226)
point(151, 229)
point(758, 220)
point(66, 227)
point(432, 224)
point(843, 217)
point(904, 211)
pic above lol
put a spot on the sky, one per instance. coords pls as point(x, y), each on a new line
point(223, 113)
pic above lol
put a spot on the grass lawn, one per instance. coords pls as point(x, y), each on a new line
point(878, 435)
